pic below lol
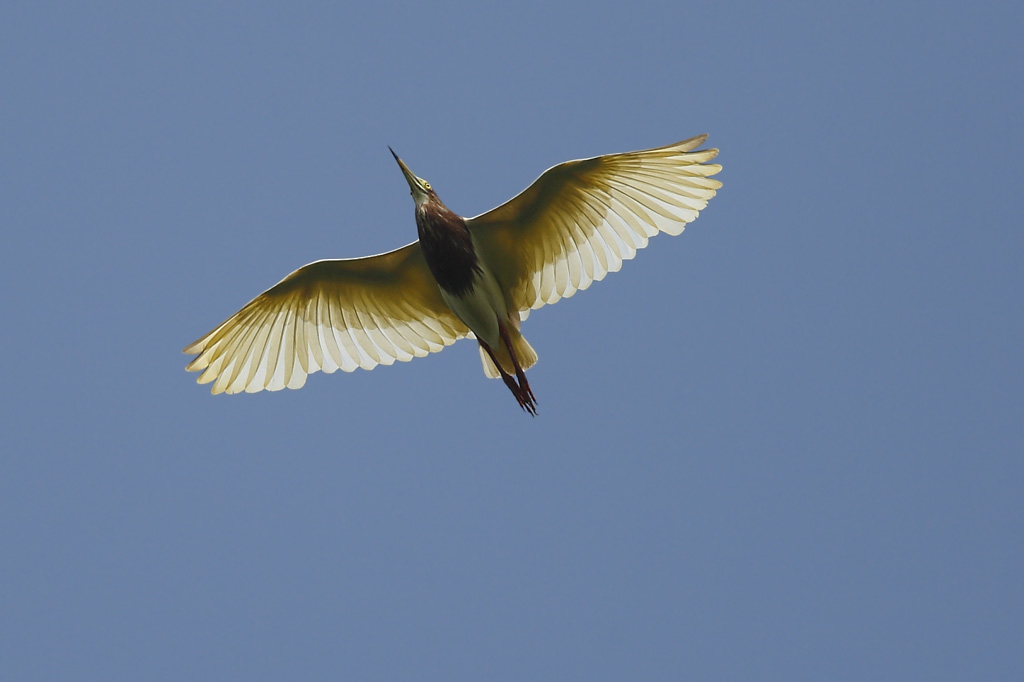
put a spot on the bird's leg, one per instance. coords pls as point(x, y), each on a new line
point(520, 374)
point(524, 399)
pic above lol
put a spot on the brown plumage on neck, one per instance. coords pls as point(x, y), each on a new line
point(447, 246)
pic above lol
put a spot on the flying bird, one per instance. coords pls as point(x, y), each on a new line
point(476, 277)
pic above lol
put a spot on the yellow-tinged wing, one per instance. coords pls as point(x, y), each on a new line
point(329, 315)
point(580, 219)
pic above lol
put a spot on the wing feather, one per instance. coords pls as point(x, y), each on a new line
point(329, 330)
point(581, 219)
point(329, 315)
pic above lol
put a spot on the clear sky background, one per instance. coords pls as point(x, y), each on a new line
point(786, 445)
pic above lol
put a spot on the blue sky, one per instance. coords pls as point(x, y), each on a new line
point(784, 445)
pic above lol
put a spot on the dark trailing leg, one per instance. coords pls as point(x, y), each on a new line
point(523, 395)
point(520, 374)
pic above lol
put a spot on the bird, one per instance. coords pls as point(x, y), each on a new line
point(473, 277)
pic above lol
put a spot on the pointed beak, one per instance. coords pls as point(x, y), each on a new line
point(415, 184)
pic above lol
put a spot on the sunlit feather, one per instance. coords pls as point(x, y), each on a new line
point(576, 223)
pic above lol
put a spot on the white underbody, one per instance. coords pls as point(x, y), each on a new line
point(482, 307)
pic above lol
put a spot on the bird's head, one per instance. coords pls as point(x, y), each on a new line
point(418, 187)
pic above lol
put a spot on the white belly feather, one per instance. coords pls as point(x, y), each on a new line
point(481, 307)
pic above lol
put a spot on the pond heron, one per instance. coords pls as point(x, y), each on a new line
point(463, 277)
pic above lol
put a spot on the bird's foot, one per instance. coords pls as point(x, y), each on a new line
point(527, 401)
point(524, 387)
point(523, 396)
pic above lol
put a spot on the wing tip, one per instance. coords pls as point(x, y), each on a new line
point(697, 140)
point(196, 365)
point(688, 145)
point(200, 344)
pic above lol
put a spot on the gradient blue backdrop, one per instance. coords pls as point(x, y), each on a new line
point(786, 445)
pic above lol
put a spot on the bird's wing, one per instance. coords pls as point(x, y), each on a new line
point(329, 315)
point(580, 219)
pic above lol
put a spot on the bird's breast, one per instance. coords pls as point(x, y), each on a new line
point(481, 307)
point(448, 249)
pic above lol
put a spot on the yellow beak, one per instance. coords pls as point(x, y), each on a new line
point(416, 185)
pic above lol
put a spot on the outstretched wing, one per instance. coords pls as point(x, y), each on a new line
point(329, 315)
point(580, 219)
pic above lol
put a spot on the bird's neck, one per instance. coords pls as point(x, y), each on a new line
point(448, 247)
point(435, 217)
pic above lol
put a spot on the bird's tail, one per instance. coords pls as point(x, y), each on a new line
point(525, 353)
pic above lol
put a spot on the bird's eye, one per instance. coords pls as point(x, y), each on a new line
point(426, 185)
